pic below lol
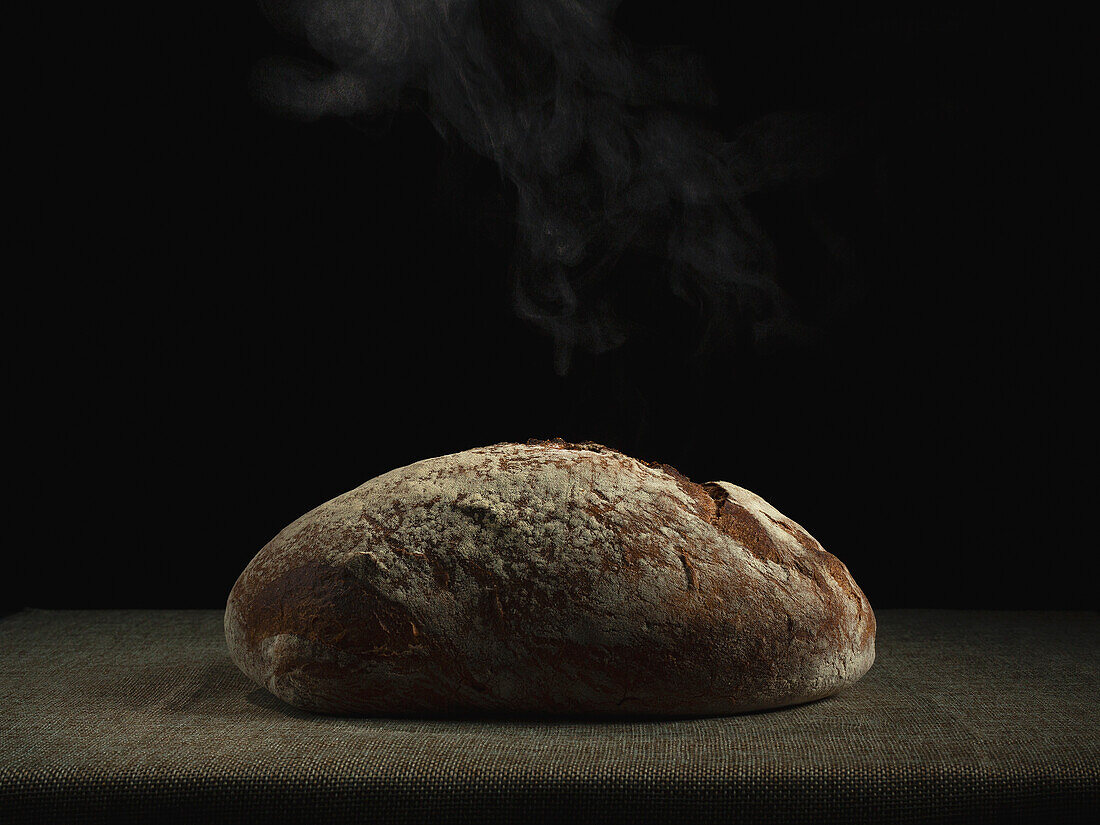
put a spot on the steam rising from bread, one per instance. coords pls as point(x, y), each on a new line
point(607, 159)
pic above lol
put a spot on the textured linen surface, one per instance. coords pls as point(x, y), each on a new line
point(111, 716)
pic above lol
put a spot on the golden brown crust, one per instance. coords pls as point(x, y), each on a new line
point(550, 576)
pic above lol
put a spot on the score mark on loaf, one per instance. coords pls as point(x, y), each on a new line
point(547, 577)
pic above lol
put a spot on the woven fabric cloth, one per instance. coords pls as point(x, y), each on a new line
point(141, 715)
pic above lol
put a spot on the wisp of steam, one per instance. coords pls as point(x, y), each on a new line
point(598, 141)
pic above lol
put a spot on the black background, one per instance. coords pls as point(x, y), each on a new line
point(234, 316)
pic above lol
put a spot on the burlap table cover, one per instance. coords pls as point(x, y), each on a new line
point(110, 716)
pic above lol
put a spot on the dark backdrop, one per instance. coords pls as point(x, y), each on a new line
point(238, 316)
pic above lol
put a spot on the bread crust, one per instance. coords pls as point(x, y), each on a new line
point(547, 578)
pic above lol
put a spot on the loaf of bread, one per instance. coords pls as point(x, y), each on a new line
point(547, 578)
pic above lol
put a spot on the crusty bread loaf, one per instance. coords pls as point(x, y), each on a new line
point(547, 577)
